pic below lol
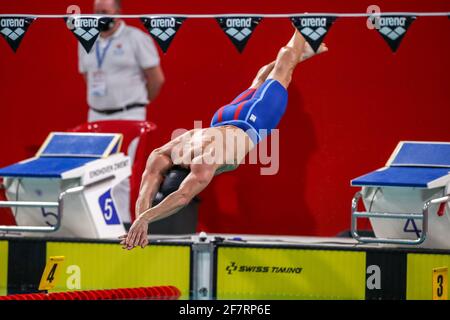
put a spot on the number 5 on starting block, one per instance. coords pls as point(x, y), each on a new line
point(51, 272)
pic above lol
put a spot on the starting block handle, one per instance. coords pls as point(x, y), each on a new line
point(385, 215)
point(9, 204)
point(59, 205)
point(440, 200)
point(48, 229)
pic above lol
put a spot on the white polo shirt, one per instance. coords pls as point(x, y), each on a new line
point(123, 82)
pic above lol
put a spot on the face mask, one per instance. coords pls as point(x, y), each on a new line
point(106, 24)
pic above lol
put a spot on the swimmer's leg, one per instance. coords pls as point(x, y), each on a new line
point(262, 75)
point(288, 58)
point(269, 102)
point(264, 72)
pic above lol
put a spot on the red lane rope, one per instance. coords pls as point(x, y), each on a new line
point(154, 293)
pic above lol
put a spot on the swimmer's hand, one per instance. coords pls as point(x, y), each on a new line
point(137, 235)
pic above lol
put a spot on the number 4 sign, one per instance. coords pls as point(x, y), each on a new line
point(51, 273)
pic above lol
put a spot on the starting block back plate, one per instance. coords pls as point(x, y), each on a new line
point(420, 154)
point(52, 167)
point(60, 144)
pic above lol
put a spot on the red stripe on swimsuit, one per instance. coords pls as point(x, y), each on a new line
point(219, 114)
point(244, 96)
point(238, 110)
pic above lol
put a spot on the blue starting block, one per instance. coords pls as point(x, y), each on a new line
point(408, 198)
point(72, 174)
point(62, 152)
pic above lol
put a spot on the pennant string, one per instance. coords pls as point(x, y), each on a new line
point(239, 32)
point(207, 16)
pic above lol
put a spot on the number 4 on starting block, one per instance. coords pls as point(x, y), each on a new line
point(51, 272)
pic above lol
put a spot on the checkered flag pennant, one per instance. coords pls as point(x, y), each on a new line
point(239, 29)
point(85, 29)
point(313, 28)
point(13, 29)
point(393, 29)
point(163, 29)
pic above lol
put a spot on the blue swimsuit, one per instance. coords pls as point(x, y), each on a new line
point(257, 112)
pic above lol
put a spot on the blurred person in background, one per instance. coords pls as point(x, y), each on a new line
point(123, 75)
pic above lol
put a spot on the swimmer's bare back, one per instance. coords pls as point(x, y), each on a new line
point(219, 148)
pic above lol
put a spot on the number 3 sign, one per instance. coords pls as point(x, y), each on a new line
point(440, 287)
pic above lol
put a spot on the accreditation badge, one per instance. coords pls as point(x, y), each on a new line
point(97, 84)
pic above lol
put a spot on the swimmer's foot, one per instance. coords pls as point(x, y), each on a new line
point(308, 52)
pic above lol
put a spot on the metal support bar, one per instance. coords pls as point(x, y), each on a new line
point(385, 215)
point(39, 204)
point(203, 267)
point(9, 204)
point(418, 216)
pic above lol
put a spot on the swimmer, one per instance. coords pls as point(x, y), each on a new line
point(176, 172)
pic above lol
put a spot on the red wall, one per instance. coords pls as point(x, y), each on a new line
point(347, 109)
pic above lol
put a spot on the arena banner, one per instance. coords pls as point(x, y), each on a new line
point(314, 28)
point(3, 267)
point(393, 29)
point(280, 273)
point(163, 29)
point(239, 29)
point(86, 29)
point(13, 29)
point(427, 276)
point(90, 265)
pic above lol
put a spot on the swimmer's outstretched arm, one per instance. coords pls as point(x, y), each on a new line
point(197, 180)
point(158, 164)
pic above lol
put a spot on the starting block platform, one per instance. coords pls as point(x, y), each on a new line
point(407, 201)
point(67, 189)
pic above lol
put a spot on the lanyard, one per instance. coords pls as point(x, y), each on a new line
point(101, 56)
